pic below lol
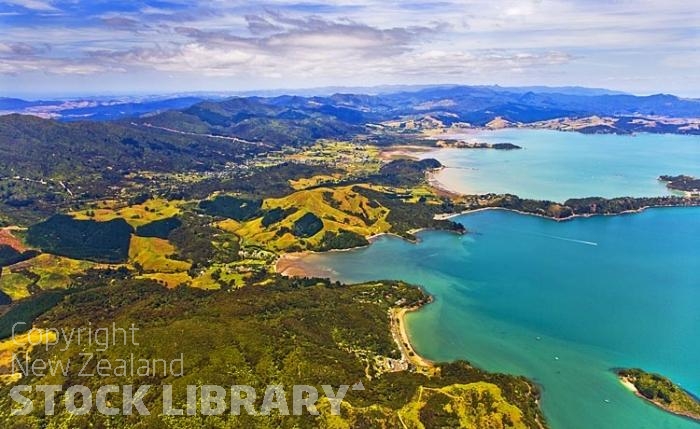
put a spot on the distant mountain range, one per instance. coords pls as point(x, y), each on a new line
point(96, 109)
point(291, 119)
point(186, 132)
point(450, 103)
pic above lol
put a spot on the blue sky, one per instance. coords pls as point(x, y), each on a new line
point(51, 47)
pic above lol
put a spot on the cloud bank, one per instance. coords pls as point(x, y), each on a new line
point(638, 46)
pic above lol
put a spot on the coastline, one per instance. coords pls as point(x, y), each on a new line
point(632, 388)
point(288, 264)
point(439, 188)
point(403, 152)
point(562, 219)
point(400, 334)
point(292, 264)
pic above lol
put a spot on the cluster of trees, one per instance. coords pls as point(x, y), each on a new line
point(231, 207)
point(275, 215)
point(82, 239)
point(404, 173)
point(196, 240)
point(307, 226)
point(27, 310)
point(682, 183)
point(343, 239)
point(9, 255)
point(159, 228)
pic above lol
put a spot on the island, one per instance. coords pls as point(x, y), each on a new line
point(661, 392)
point(688, 184)
point(459, 144)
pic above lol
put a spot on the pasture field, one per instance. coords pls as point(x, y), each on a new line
point(44, 272)
point(169, 280)
point(314, 181)
point(153, 254)
point(136, 215)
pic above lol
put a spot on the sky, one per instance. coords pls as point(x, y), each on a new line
point(88, 47)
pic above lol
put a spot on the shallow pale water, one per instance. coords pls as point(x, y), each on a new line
point(562, 303)
point(557, 165)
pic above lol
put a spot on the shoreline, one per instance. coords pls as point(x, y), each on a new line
point(632, 388)
point(439, 187)
point(288, 265)
point(563, 219)
point(399, 332)
point(406, 151)
point(450, 133)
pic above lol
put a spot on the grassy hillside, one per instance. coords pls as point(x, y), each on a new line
point(137, 215)
point(44, 272)
point(338, 209)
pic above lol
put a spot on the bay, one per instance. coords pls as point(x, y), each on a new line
point(562, 303)
point(557, 165)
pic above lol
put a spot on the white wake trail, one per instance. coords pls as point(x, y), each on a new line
point(573, 240)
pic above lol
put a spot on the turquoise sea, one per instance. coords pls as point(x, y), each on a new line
point(557, 165)
point(562, 303)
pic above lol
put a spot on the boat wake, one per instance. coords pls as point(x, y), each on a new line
point(572, 240)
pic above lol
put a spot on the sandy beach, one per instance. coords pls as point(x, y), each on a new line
point(440, 188)
point(404, 151)
point(293, 265)
point(400, 335)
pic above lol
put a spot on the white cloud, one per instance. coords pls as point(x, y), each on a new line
point(40, 5)
point(372, 41)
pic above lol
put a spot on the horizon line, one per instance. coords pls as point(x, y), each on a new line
point(317, 91)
